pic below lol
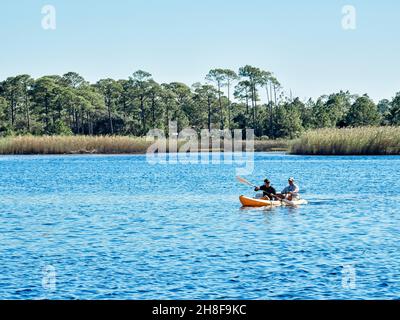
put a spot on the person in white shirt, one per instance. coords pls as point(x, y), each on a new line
point(291, 192)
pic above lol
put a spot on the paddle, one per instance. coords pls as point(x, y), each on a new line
point(244, 181)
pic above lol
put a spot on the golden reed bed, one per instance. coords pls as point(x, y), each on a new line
point(349, 141)
point(72, 144)
point(98, 145)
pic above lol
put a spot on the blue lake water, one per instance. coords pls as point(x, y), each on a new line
point(117, 227)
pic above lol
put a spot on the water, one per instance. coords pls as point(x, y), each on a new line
point(116, 227)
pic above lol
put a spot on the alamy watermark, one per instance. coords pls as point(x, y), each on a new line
point(49, 19)
point(49, 278)
point(213, 146)
point(349, 277)
point(349, 19)
point(348, 22)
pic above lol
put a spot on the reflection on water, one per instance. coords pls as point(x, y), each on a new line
point(115, 227)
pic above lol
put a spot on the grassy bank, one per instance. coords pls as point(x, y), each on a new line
point(351, 141)
point(271, 145)
point(97, 145)
point(72, 145)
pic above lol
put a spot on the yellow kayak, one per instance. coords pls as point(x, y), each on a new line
point(252, 202)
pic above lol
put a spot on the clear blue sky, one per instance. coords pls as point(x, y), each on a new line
point(302, 42)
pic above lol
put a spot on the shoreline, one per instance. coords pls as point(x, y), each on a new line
point(282, 152)
point(129, 154)
point(360, 141)
point(37, 145)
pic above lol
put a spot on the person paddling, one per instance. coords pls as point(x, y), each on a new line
point(291, 192)
point(269, 191)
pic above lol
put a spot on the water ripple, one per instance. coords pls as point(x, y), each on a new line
point(115, 227)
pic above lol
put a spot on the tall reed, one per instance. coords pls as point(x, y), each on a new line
point(72, 144)
point(101, 145)
point(349, 141)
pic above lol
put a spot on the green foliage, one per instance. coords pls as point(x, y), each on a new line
point(394, 114)
point(331, 111)
point(3, 108)
point(61, 128)
point(384, 107)
point(5, 129)
point(338, 105)
point(249, 98)
point(288, 122)
point(363, 112)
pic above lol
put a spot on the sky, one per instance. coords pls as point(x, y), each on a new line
point(302, 42)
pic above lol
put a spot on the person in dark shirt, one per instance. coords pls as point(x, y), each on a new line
point(269, 191)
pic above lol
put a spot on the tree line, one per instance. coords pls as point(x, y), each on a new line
point(68, 104)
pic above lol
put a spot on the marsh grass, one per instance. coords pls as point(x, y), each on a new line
point(72, 145)
point(271, 145)
point(349, 141)
point(100, 145)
